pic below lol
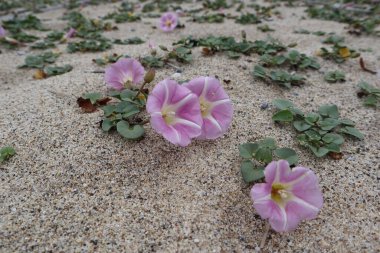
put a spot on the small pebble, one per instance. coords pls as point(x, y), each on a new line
point(264, 106)
point(176, 75)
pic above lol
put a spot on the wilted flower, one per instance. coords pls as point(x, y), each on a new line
point(288, 196)
point(168, 21)
point(216, 106)
point(125, 73)
point(175, 112)
point(2, 32)
point(71, 33)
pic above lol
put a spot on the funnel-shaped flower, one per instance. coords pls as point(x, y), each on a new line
point(125, 73)
point(175, 112)
point(71, 33)
point(2, 32)
point(288, 196)
point(168, 21)
point(216, 106)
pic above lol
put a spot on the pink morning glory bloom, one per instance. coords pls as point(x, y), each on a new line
point(168, 21)
point(124, 73)
point(288, 196)
point(71, 33)
point(175, 112)
point(2, 32)
point(216, 106)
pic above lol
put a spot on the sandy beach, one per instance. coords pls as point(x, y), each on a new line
point(73, 188)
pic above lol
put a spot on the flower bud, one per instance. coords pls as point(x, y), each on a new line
point(149, 76)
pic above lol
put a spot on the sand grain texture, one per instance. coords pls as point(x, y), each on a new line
point(72, 188)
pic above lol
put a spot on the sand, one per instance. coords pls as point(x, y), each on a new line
point(73, 188)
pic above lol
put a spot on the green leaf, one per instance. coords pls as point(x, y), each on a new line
point(128, 95)
point(283, 116)
point(130, 41)
point(301, 125)
point(233, 55)
point(259, 71)
point(319, 151)
point(311, 118)
point(347, 122)
point(54, 36)
point(129, 132)
point(267, 143)
point(333, 138)
point(57, 70)
point(108, 110)
point(42, 45)
point(114, 93)
point(248, 18)
point(264, 154)
point(90, 45)
point(40, 60)
point(250, 173)
point(328, 124)
point(302, 139)
point(107, 125)
point(282, 104)
point(247, 150)
point(329, 111)
point(335, 76)
point(94, 96)
point(352, 131)
point(288, 154)
point(313, 135)
point(370, 100)
point(126, 107)
point(332, 147)
point(6, 153)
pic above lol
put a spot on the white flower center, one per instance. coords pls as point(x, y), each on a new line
point(168, 23)
point(127, 81)
point(280, 193)
point(169, 115)
point(205, 107)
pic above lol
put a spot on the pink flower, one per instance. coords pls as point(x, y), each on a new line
point(71, 33)
point(168, 21)
point(175, 112)
point(288, 196)
point(216, 106)
point(2, 32)
point(124, 74)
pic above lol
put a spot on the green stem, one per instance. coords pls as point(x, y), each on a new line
point(139, 91)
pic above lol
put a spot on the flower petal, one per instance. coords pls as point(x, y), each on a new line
point(260, 192)
point(218, 111)
point(169, 16)
point(223, 113)
point(196, 85)
point(276, 170)
point(306, 187)
point(170, 133)
point(213, 90)
point(114, 77)
point(185, 122)
point(131, 68)
point(2, 32)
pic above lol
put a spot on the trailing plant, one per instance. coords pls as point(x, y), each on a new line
point(322, 132)
point(258, 154)
point(370, 93)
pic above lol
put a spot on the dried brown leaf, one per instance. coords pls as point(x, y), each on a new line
point(86, 105)
point(363, 67)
